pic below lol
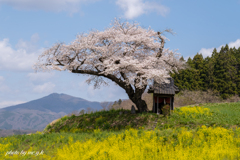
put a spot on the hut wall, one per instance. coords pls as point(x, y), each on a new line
point(158, 100)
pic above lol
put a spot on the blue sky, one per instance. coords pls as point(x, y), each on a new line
point(27, 27)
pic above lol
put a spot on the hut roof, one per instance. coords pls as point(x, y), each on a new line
point(164, 88)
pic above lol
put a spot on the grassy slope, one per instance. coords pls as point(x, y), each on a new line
point(104, 120)
point(224, 115)
point(111, 122)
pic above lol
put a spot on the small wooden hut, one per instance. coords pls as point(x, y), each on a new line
point(163, 94)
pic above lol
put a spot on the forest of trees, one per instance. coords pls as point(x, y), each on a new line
point(220, 73)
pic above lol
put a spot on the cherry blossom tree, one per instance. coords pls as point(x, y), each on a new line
point(125, 53)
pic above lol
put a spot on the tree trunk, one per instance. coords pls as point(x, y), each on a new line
point(136, 97)
point(140, 104)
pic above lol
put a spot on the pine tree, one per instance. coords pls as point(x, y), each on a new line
point(220, 72)
point(226, 73)
point(119, 102)
point(236, 53)
point(178, 77)
point(199, 72)
point(182, 78)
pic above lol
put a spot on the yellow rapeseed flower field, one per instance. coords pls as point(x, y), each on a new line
point(193, 112)
point(205, 143)
point(182, 144)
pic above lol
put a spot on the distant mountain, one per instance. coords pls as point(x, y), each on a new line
point(36, 114)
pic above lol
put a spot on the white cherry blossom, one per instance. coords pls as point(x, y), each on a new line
point(127, 54)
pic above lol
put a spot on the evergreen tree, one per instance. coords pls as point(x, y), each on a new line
point(181, 79)
point(210, 68)
point(220, 72)
point(225, 73)
point(236, 53)
point(178, 77)
point(199, 72)
point(119, 101)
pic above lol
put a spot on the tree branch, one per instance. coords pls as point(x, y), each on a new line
point(60, 63)
point(169, 64)
point(81, 64)
point(159, 54)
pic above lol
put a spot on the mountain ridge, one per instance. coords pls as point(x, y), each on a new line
point(36, 114)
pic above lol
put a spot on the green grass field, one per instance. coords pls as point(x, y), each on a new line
point(207, 132)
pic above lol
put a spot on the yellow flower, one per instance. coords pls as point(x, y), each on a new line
point(193, 112)
point(206, 143)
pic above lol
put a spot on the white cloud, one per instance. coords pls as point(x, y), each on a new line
point(10, 103)
point(28, 46)
point(71, 6)
point(40, 76)
point(20, 59)
point(3, 87)
point(135, 8)
point(44, 88)
point(235, 44)
point(208, 51)
point(35, 38)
